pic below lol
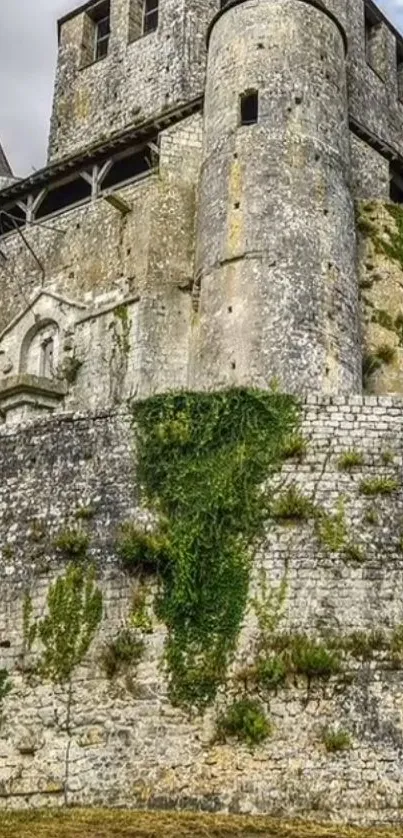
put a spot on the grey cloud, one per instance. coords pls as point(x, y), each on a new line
point(28, 45)
point(394, 9)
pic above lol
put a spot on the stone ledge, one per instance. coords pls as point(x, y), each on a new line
point(22, 396)
point(26, 383)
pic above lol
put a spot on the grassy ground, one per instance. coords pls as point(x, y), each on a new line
point(102, 823)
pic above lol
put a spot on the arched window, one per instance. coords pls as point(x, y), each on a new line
point(39, 351)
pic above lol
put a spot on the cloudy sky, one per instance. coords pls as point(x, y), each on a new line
point(27, 59)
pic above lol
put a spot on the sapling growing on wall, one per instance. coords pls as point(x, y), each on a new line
point(65, 633)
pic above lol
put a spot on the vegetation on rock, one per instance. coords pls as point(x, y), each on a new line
point(202, 460)
point(244, 720)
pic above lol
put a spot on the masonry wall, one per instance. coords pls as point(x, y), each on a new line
point(133, 748)
point(165, 68)
point(276, 238)
point(146, 255)
point(93, 248)
point(375, 99)
point(136, 80)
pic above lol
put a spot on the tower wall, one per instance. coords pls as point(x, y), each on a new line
point(276, 241)
point(137, 79)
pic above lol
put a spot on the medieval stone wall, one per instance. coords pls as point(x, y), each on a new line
point(134, 81)
point(96, 257)
point(375, 95)
point(125, 744)
point(167, 67)
point(93, 248)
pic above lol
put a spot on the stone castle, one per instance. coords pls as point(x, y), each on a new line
point(194, 226)
point(220, 208)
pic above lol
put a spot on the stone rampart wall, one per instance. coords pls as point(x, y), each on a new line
point(125, 744)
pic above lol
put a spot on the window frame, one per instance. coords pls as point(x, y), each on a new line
point(148, 14)
point(100, 40)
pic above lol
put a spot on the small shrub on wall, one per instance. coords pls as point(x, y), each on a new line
point(142, 552)
point(72, 543)
point(244, 720)
point(124, 651)
point(74, 611)
point(336, 740)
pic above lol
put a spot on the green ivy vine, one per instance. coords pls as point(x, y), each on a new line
point(203, 459)
point(74, 611)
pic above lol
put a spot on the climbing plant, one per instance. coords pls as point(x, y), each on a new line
point(74, 612)
point(74, 606)
point(203, 459)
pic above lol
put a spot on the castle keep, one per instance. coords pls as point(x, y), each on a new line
point(194, 226)
point(221, 209)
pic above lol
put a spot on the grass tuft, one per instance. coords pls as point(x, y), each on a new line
point(349, 460)
point(118, 655)
point(354, 553)
point(379, 486)
point(336, 740)
point(331, 529)
point(292, 506)
point(244, 720)
point(72, 543)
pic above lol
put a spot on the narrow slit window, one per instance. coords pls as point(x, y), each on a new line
point(150, 16)
point(47, 358)
point(396, 185)
point(249, 107)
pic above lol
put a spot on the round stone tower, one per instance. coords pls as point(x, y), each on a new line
point(276, 286)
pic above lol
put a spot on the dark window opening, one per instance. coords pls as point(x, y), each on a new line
point(249, 107)
point(11, 217)
point(150, 16)
point(64, 196)
point(128, 168)
point(396, 185)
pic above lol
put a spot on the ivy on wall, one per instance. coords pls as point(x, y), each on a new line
point(74, 606)
point(203, 459)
